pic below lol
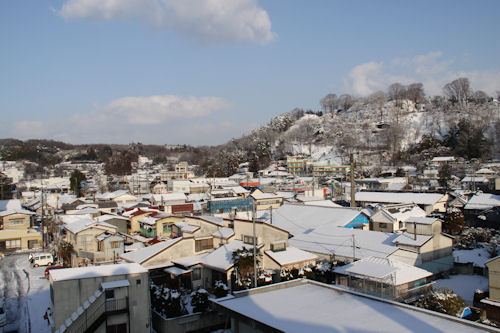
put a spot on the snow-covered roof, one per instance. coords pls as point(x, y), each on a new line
point(380, 268)
point(212, 219)
point(191, 260)
point(483, 201)
point(309, 306)
point(196, 197)
point(84, 223)
point(115, 284)
point(134, 247)
point(222, 258)
point(176, 270)
point(485, 171)
point(304, 198)
point(396, 197)
point(421, 220)
point(443, 159)
point(88, 210)
point(13, 204)
point(291, 255)
point(478, 257)
point(107, 217)
point(187, 227)
point(402, 212)
point(16, 211)
point(144, 254)
point(174, 196)
point(96, 271)
point(469, 179)
point(322, 203)
point(224, 233)
point(262, 196)
point(318, 230)
point(409, 239)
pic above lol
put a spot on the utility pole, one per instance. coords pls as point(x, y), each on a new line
point(254, 249)
point(353, 249)
point(353, 184)
point(271, 217)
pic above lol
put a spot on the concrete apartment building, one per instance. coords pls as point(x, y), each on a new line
point(109, 298)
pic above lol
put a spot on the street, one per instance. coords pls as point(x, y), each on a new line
point(25, 293)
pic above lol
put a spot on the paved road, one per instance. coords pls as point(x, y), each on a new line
point(12, 290)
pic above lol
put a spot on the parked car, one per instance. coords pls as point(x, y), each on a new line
point(42, 259)
point(48, 269)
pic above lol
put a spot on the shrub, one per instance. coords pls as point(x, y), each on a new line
point(199, 300)
point(220, 289)
point(442, 300)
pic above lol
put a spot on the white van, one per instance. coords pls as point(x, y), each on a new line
point(42, 259)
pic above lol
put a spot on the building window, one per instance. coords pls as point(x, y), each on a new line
point(110, 293)
point(138, 282)
point(13, 243)
point(203, 244)
point(383, 225)
point(167, 228)
point(116, 245)
point(16, 222)
point(278, 246)
point(219, 211)
point(196, 274)
point(247, 239)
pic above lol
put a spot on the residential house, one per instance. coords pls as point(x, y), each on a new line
point(108, 298)
point(429, 202)
point(16, 232)
point(93, 242)
point(384, 277)
point(266, 201)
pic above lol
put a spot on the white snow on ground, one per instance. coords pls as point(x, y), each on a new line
point(464, 285)
point(35, 298)
point(476, 256)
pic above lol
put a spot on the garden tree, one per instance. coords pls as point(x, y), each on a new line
point(75, 181)
point(397, 92)
point(415, 92)
point(454, 221)
point(64, 251)
point(243, 262)
point(442, 300)
point(444, 175)
point(329, 102)
point(5, 187)
point(458, 91)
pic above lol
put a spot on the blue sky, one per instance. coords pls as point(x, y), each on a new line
point(204, 71)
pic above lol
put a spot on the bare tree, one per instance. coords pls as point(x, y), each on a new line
point(415, 92)
point(397, 92)
point(329, 102)
point(480, 97)
point(345, 101)
point(458, 90)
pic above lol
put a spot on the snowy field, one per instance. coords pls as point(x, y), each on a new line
point(464, 285)
point(25, 292)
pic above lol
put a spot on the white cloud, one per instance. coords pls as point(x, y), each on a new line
point(154, 119)
point(217, 21)
point(158, 109)
point(431, 69)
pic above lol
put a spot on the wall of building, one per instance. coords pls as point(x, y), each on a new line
point(26, 238)
point(81, 289)
point(494, 279)
point(266, 233)
point(16, 221)
point(183, 248)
